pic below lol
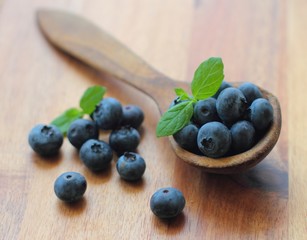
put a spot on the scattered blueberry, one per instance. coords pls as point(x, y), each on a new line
point(250, 91)
point(108, 113)
point(130, 166)
point(231, 104)
point(187, 138)
point(205, 111)
point(96, 154)
point(124, 139)
point(167, 202)
point(222, 87)
point(70, 186)
point(214, 139)
point(261, 113)
point(45, 140)
point(132, 116)
point(242, 135)
point(82, 130)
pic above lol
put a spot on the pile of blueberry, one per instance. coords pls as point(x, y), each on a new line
point(230, 122)
point(123, 123)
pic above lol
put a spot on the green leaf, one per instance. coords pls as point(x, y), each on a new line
point(175, 119)
point(91, 97)
point(207, 78)
point(182, 94)
point(66, 118)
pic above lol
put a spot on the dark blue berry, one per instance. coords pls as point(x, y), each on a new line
point(205, 111)
point(45, 140)
point(124, 139)
point(167, 202)
point(70, 186)
point(242, 135)
point(250, 91)
point(231, 104)
point(132, 116)
point(187, 138)
point(96, 154)
point(221, 88)
point(130, 166)
point(108, 114)
point(82, 130)
point(214, 139)
point(261, 113)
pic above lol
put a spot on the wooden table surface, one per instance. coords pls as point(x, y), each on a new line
point(260, 41)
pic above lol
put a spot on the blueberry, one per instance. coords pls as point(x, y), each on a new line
point(261, 113)
point(108, 114)
point(221, 88)
point(82, 130)
point(124, 139)
point(205, 111)
point(132, 116)
point(250, 91)
point(70, 186)
point(231, 104)
point(130, 166)
point(167, 202)
point(242, 135)
point(96, 154)
point(187, 138)
point(214, 139)
point(45, 140)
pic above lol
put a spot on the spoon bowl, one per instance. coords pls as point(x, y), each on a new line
point(83, 40)
point(242, 161)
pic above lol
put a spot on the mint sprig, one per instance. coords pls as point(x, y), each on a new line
point(207, 79)
point(175, 118)
point(182, 94)
point(90, 98)
point(66, 118)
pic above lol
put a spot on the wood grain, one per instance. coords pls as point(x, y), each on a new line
point(93, 46)
point(297, 49)
point(259, 41)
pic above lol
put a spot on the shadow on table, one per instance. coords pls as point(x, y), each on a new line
point(48, 162)
point(72, 209)
point(170, 226)
point(253, 202)
point(131, 186)
point(99, 177)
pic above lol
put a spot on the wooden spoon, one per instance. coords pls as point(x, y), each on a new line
point(88, 43)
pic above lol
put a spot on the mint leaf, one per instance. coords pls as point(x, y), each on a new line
point(182, 94)
point(175, 119)
point(66, 118)
point(91, 97)
point(207, 78)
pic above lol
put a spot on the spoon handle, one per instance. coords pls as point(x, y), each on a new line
point(85, 41)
